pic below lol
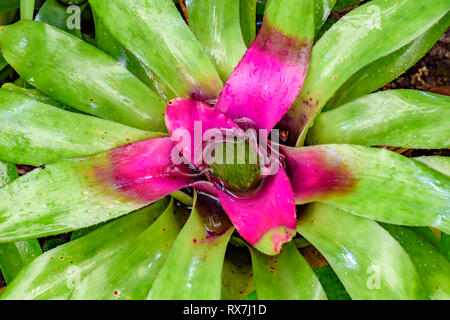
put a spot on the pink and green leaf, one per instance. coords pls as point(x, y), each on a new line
point(193, 268)
point(74, 194)
point(368, 261)
point(217, 27)
point(57, 272)
point(130, 273)
point(400, 118)
point(374, 183)
point(155, 33)
point(265, 218)
point(287, 276)
point(34, 133)
point(271, 74)
point(355, 41)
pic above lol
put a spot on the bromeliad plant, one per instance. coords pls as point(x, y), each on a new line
point(96, 122)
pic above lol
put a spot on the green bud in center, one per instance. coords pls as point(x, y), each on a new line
point(237, 164)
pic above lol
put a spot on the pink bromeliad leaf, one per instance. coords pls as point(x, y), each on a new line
point(144, 170)
point(266, 218)
point(258, 93)
point(271, 74)
point(188, 120)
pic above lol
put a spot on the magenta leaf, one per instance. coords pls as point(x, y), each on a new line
point(265, 218)
point(188, 121)
point(144, 171)
point(315, 174)
point(271, 74)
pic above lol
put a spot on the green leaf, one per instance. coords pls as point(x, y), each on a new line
point(331, 284)
point(374, 183)
point(8, 5)
point(15, 255)
point(383, 71)
point(216, 25)
point(55, 14)
point(343, 4)
point(368, 261)
point(248, 20)
point(427, 234)
point(438, 163)
point(432, 266)
point(287, 276)
point(129, 274)
point(400, 118)
point(56, 273)
point(155, 33)
point(105, 41)
point(237, 275)
point(251, 296)
point(445, 245)
point(355, 41)
point(79, 75)
point(35, 133)
point(322, 10)
point(193, 268)
point(35, 94)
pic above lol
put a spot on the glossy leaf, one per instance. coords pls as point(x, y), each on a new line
point(56, 14)
point(287, 276)
point(343, 4)
point(105, 41)
point(9, 5)
point(331, 284)
point(74, 194)
point(217, 27)
point(368, 261)
point(248, 20)
point(432, 267)
point(265, 218)
point(56, 273)
point(15, 255)
point(193, 268)
point(355, 41)
point(129, 274)
point(35, 94)
point(322, 10)
point(375, 183)
point(383, 71)
point(427, 234)
point(272, 71)
point(35, 133)
point(155, 33)
point(438, 163)
point(79, 75)
point(400, 118)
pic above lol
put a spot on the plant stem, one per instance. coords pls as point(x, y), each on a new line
point(26, 9)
